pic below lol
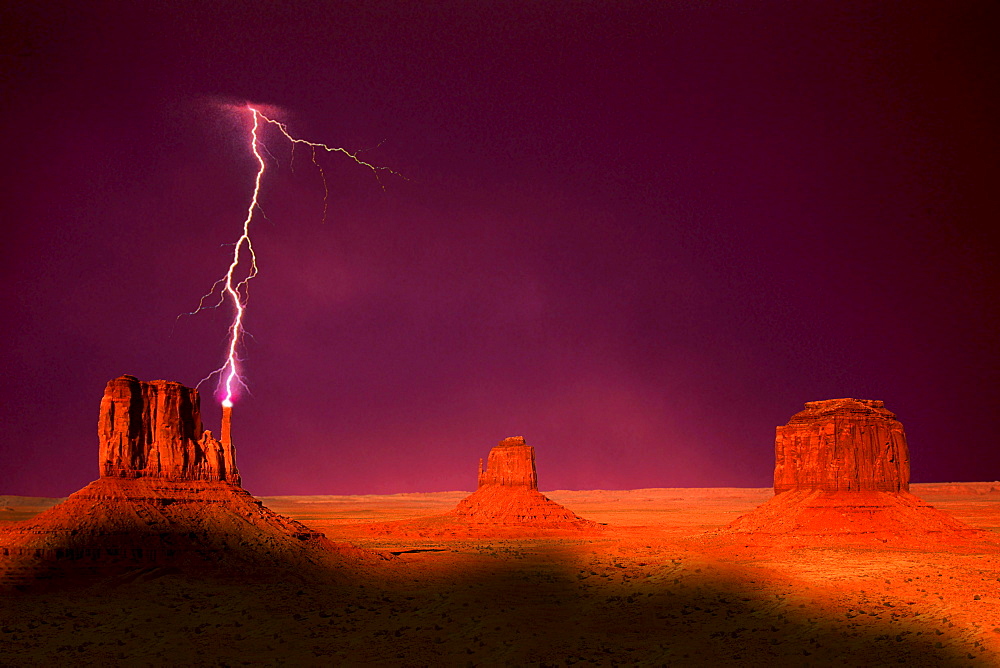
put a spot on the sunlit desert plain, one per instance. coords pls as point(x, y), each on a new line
point(648, 586)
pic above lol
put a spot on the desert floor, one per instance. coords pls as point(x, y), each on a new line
point(646, 589)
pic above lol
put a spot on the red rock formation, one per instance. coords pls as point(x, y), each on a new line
point(511, 464)
point(169, 494)
point(842, 473)
point(154, 430)
point(508, 493)
point(842, 444)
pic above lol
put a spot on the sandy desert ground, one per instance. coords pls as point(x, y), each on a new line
point(645, 589)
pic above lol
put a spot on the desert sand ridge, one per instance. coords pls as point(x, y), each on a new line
point(960, 488)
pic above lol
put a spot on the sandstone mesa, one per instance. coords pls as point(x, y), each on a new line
point(842, 473)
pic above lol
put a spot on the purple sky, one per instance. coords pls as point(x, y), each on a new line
point(641, 235)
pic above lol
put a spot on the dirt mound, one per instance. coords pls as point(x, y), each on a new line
point(494, 505)
point(877, 518)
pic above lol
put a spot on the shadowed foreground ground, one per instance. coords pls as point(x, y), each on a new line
point(645, 591)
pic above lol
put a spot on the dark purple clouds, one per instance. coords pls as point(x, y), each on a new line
point(639, 236)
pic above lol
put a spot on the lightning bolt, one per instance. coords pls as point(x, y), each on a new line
point(234, 286)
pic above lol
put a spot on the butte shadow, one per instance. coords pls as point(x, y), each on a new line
point(169, 499)
point(539, 608)
point(841, 476)
point(506, 504)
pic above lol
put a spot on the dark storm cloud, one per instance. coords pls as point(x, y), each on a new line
point(640, 236)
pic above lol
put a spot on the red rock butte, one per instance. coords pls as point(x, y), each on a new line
point(842, 472)
point(508, 493)
point(154, 430)
point(169, 494)
point(842, 445)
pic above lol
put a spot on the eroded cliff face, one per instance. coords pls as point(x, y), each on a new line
point(510, 464)
point(842, 445)
point(154, 430)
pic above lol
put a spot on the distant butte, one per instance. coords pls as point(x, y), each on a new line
point(842, 445)
point(169, 495)
point(508, 494)
point(842, 472)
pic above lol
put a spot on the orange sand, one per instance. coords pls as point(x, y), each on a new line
point(646, 589)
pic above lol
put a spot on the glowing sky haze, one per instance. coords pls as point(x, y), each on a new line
point(641, 235)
